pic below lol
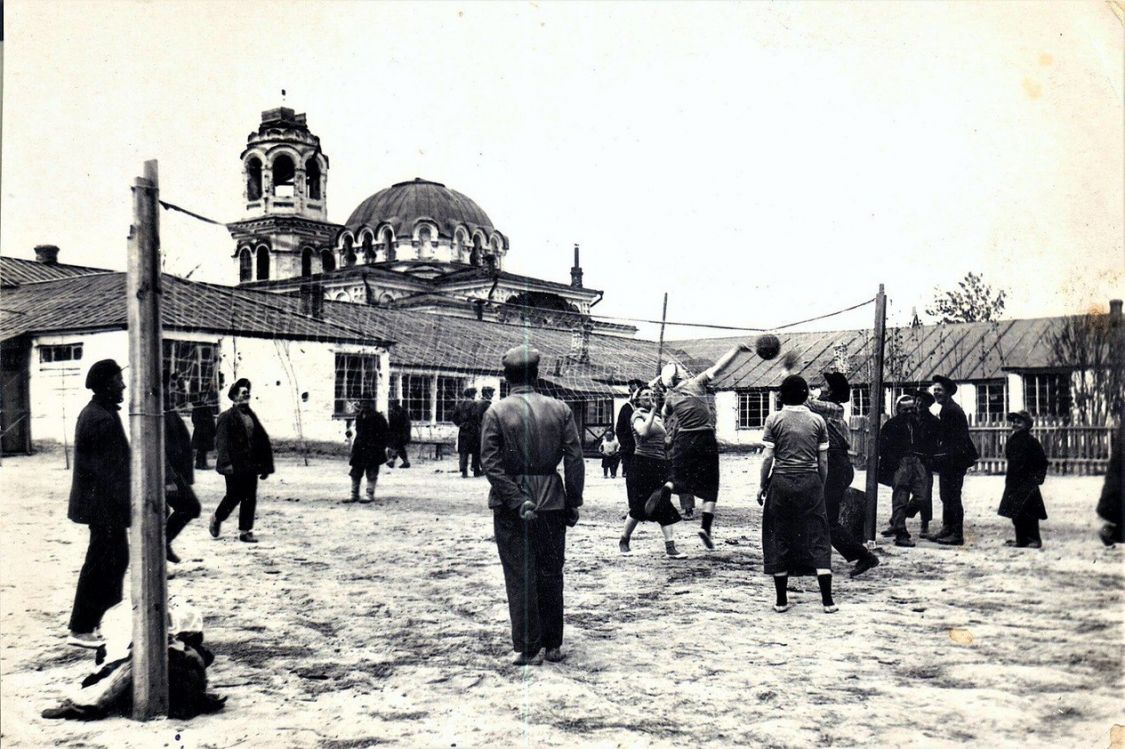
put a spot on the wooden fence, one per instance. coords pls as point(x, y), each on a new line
point(1072, 450)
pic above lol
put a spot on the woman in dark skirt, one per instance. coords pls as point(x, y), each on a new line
point(795, 534)
point(647, 473)
point(1027, 468)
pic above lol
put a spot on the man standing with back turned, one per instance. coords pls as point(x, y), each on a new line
point(523, 438)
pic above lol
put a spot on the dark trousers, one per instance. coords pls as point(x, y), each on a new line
point(840, 475)
point(911, 492)
point(468, 448)
point(185, 508)
point(952, 510)
point(102, 578)
point(1027, 528)
point(532, 554)
point(626, 461)
point(200, 458)
point(398, 451)
point(609, 464)
point(242, 491)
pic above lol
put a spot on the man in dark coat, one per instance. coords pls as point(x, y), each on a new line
point(203, 428)
point(369, 449)
point(840, 471)
point(1110, 504)
point(930, 425)
point(623, 429)
point(244, 455)
point(523, 439)
point(179, 473)
point(1027, 469)
point(466, 416)
point(398, 419)
point(99, 498)
point(905, 449)
point(955, 454)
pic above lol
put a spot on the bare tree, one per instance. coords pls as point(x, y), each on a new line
point(972, 301)
point(1093, 345)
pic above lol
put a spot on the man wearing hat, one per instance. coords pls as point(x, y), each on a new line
point(466, 416)
point(623, 429)
point(840, 472)
point(244, 455)
point(955, 454)
point(930, 425)
point(99, 498)
point(523, 439)
point(1027, 468)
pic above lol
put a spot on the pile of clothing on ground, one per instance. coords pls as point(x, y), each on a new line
point(108, 690)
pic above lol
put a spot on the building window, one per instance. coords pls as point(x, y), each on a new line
point(193, 364)
point(64, 352)
point(753, 408)
point(861, 399)
point(389, 245)
point(1047, 394)
point(449, 392)
point(306, 261)
point(368, 249)
point(349, 251)
point(245, 265)
point(283, 173)
point(254, 179)
point(263, 263)
point(416, 396)
point(312, 179)
point(327, 261)
point(992, 401)
point(599, 411)
point(356, 375)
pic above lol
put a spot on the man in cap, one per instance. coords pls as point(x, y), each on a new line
point(99, 498)
point(369, 449)
point(523, 439)
point(1022, 501)
point(955, 454)
point(840, 472)
point(466, 416)
point(244, 455)
point(623, 429)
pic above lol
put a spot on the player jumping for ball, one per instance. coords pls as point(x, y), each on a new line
point(695, 452)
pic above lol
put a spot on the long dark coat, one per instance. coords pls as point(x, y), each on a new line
point(1110, 503)
point(467, 418)
point(369, 448)
point(99, 490)
point(399, 422)
point(177, 447)
point(234, 448)
point(203, 428)
point(624, 430)
point(956, 452)
point(1027, 467)
point(902, 435)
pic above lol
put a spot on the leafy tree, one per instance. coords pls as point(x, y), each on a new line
point(972, 301)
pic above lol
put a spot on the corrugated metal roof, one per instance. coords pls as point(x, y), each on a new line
point(15, 271)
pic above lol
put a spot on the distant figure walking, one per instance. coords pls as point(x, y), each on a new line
point(647, 476)
point(369, 448)
point(795, 535)
point(466, 416)
point(956, 453)
point(203, 427)
point(398, 419)
point(524, 437)
point(610, 450)
point(99, 498)
point(1027, 470)
point(244, 455)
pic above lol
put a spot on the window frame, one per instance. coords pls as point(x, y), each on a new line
point(57, 348)
point(346, 391)
point(746, 408)
point(202, 360)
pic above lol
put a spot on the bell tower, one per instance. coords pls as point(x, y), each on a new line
point(285, 233)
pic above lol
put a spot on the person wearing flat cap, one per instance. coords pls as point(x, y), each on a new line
point(244, 455)
point(840, 472)
point(524, 437)
point(954, 455)
point(99, 498)
point(1027, 469)
point(466, 417)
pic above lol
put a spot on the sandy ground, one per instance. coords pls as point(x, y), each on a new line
point(385, 624)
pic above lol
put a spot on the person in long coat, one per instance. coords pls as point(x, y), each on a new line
point(398, 419)
point(244, 455)
point(1027, 469)
point(99, 498)
point(1110, 508)
point(466, 416)
point(796, 539)
point(369, 449)
point(179, 472)
point(955, 454)
point(203, 428)
point(524, 437)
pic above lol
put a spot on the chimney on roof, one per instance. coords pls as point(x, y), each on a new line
point(1115, 311)
point(48, 254)
point(312, 300)
point(576, 271)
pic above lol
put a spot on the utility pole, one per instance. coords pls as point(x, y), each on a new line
point(660, 351)
point(146, 433)
point(874, 418)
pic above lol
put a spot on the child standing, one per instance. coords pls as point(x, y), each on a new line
point(610, 449)
point(1027, 468)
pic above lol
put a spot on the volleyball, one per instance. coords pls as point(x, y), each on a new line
point(768, 346)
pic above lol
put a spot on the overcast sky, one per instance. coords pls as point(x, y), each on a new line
point(761, 163)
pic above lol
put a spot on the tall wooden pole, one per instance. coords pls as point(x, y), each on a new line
point(660, 351)
point(874, 416)
point(146, 433)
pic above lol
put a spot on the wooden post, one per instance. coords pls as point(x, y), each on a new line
point(660, 351)
point(146, 427)
point(874, 417)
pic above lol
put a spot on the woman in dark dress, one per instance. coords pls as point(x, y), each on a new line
point(1027, 468)
point(647, 475)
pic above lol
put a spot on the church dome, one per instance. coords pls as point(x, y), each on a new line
point(404, 204)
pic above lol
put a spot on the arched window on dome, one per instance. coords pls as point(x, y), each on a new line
point(386, 299)
point(245, 265)
point(349, 251)
point(327, 261)
point(342, 296)
point(477, 255)
point(312, 179)
point(263, 258)
point(389, 245)
point(283, 174)
point(368, 248)
point(306, 261)
point(254, 179)
point(459, 241)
